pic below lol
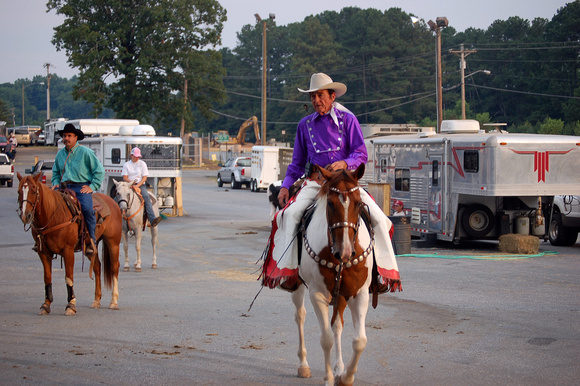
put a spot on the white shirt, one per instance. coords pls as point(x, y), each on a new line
point(135, 171)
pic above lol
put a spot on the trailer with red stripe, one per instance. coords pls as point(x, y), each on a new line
point(466, 183)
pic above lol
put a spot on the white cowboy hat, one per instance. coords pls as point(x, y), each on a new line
point(322, 81)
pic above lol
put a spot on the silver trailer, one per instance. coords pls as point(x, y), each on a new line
point(465, 183)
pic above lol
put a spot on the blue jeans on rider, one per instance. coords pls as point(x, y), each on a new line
point(86, 201)
point(148, 205)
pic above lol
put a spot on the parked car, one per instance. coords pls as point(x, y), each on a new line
point(565, 222)
point(236, 171)
point(6, 171)
point(41, 141)
point(45, 167)
point(3, 143)
point(23, 136)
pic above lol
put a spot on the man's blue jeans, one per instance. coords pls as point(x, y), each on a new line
point(86, 201)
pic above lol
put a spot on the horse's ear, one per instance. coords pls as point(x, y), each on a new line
point(37, 177)
point(325, 173)
point(360, 171)
point(19, 176)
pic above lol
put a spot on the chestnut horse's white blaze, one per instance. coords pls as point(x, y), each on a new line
point(336, 250)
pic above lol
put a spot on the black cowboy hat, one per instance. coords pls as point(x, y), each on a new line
point(70, 128)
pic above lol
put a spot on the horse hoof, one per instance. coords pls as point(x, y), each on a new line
point(126, 269)
point(137, 269)
point(113, 306)
point(338, 382)
point(44, 309)
point(70, 311)
point(96, 304)
point(153, 266)
point(304, 372)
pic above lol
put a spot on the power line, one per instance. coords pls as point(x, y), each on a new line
point(526, 92)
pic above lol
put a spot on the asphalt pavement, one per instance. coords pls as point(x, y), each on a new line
point(466, 316)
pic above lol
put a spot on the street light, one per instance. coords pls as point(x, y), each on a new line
point(436, 26)
point(264, 75)
point(23, 87)
point(463, 76)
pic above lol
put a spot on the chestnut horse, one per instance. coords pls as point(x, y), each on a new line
point(56, 231)
point(336, 266)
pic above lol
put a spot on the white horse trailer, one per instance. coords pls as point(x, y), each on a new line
point(269, 164)
point(464, 183)
point(162, 155)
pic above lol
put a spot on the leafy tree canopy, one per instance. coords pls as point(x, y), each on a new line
point(136, 56)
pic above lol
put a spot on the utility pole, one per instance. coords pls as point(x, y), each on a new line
point(462, 53)
point(436, 26)
point(47, 65)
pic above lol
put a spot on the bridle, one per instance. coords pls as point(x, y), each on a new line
point(129, 203)
point(42, 230)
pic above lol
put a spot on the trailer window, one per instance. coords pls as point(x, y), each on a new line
point(402, 179)
point(435, 170)
point(471, 161)
point(116, 156)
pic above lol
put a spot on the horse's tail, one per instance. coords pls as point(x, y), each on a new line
point(107, 266)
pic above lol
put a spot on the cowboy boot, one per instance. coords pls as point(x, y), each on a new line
point(90, 248)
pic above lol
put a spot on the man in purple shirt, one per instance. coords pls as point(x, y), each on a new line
point(331, 138)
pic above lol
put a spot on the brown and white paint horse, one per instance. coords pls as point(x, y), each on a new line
point(56, 231)
point(336, 267)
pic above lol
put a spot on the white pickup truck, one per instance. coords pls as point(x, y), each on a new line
point(6, 171)
point(565, 222)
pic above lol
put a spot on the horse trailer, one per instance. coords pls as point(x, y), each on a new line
point(162, 155)
point(465, 183)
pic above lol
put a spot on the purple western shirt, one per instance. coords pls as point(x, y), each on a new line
point(320, 141)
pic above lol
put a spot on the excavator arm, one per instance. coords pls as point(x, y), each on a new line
point(252, 121)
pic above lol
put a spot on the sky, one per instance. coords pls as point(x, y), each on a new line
point(27, 29)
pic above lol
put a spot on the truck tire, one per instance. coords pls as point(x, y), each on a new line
point(558, 234)
point(235, 184)
point(477, 220)
point(9, 183)
point(219, 181)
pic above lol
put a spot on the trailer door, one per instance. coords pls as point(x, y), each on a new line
point(435, 185)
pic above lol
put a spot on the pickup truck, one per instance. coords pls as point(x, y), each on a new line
point(6, 171)
point(565, 221)
point(236, 171)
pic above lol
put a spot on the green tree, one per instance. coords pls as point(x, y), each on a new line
point(551, 126)
point(135, 56)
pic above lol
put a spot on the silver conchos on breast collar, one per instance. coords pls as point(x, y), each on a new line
point(331, 265)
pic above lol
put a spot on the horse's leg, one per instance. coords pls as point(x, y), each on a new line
point(97, 272)
point(138, 236)
point(111, 267)
point(358, 309)
point(154, 231)
point(320, 302)
point(47, 268)
point(300, 316)
point(337, 328)
point(69, 265)
point(125, 248)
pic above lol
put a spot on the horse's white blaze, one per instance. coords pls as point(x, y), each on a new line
point(25, 191)
point(346, 245)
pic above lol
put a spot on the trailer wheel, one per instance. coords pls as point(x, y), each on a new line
point(219, 181)
point(477, 220)
point(558, 234)
point(255, 186)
